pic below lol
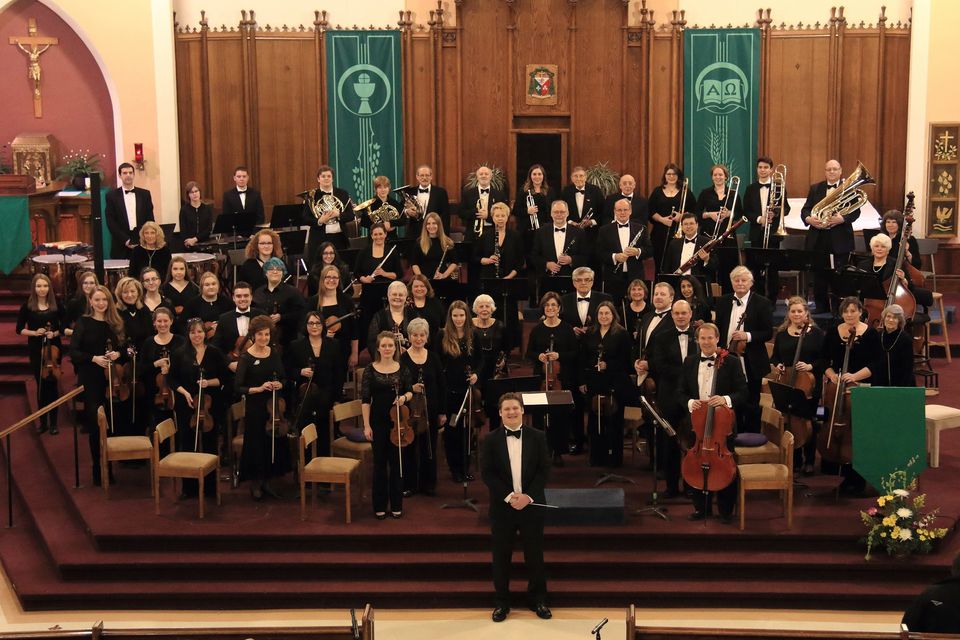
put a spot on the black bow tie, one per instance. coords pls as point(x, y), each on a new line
point(579, 299)
point(556, 230)
point(326, 193)
point(581, 190)
point(832, 186)
point(737, 301)
point(482, 191)
point(125, 191)
point(516, 433)
point(623, 226)
point(685, 332)
point(660, 314)
point(241, 190)
point(423, 190)
point(243, 314)
point(691, 241)
point(709, 359)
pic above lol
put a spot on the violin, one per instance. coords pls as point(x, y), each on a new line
point(551, 371)
point(240, 347)
point(500, 367)
point(164, 397)
point(419, 419)
point(709, 465)
point(50, 358)
point(738, 347)
point(603, 405)
point(476, 398)
point(203, 415)
point(276, 325)
point(119, 389)
point(401, 434)
point(209, 329)
point(332, 323)
point(835, 442)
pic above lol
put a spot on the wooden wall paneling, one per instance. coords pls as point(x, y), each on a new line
point(879, 97)
point(678, 23)
point(449, 172)
point(194, 143)
point(406, 73)
point(663, 130)
point(892, 162)
point(320, 25)
point(512, 178)
point(248, 35)
point(541, 35)
point(763, 23)
point(624, 72)
point(420, 132)
point(571, 81)
point(835, 73)
point(858, 116)
point(634, 135)
point(228, 123)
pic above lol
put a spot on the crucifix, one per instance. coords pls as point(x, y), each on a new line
point(34, 45)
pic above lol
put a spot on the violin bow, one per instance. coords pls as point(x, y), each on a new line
point(109, 381)
point(313, 370)
point(396, 402)
point(196, 435)
point(273, 423)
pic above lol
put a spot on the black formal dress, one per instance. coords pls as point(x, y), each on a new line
point(662, 204)
point(383, 320)
point(373, 297)
point(255, 457)
point(505, 521)
point(196, 222)
point(434, 313)
point(344, 332)
point(379, 390)
point(118, 222)
point(894, 363)
point(141, 258)
point(420, 474)
point(47, 385)
point(315, 398)
point(527, 226)
point(286, 300)
point(455, 368)
point(251, 272)
point(429, 262)
point(606, 431)
point(150, 352)
point(811, 352)
point(511, 254)
point(632, 320)
point(366, 216)
point(249, 209)
point(180, 298)
point(725, 259)
point(490, 343)
point(566, 368)
point(207, 311)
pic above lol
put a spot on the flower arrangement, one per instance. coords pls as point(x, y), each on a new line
point(897, 522)
point(78, 163)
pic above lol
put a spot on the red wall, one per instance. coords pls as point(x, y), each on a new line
point(76, 104)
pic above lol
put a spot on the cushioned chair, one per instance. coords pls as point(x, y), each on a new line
point(755, 477)
point(939, 418)
point(181, 464)
point(766, 447)
point(354, 446)
point(322, 469)
point(120, 448)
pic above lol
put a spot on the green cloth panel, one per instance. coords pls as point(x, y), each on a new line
point(15, 241)
point(889, 429)
point(107, 239)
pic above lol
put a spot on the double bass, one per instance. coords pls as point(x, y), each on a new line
point(835, 442)
point(709, 465)
point(897, 292)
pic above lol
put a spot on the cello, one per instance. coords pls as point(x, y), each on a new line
point(709, 465)
point(835, 443)
point(805, 382)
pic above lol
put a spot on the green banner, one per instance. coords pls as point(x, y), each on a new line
point(890, 429)
point(364, 106)
point(15, 241)
point(721, 103)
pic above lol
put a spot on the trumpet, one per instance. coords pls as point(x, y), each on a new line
point(534, 217)
point(729, 204)
point(478, 222)
point(846, 198)
point(683, 207)
point(776, 202)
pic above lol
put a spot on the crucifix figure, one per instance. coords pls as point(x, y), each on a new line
point(35, 46)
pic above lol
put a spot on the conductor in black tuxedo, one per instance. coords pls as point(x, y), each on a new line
point(638, 204)
point(583, 199)
point(331, 225)
point(515, 464)
point(431, 199)
point(558, 248)
point(696, 388)
point(475, 202)
point(755, 328)
point(833, 235)
point(757, 208)
point(126, 209)
point(620, 252)
point(243, 201)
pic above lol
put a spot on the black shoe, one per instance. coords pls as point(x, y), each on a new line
point(267, 489)
point(256, 493)
point(41, 428)
point(500, 614)
point(380, 516)
point(468, 477)
point(53, 430)
point(408, 493)
point(576, 449)
point(697, 515)
point(557, 460)
point(543, 611)
point(396, 515)
point(726, 518)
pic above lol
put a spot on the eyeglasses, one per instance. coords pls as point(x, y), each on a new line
point(314, 323)
point(331, 277)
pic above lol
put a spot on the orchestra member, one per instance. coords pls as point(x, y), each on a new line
point(79, 304)
point(894, 363)
point(424, 304)
point(313, 364)
point(509, 253)
point(666, 355)
point(698, 388)
point(283, 302)
point(882, 263)
point(552, 340)
point(489, 339)
point(368, 268)
point(394, 318)
point(260, 376)
point(460, 360)
point(384, 199)
point(126, 209)
point(863, 355)
point(426, 373)
point(152, 251)
point(810, 359)
point(692, 291)
point(681, 250)
point(635, 308)
point(533, 207)
point(476, 202)
point(137, 319)
point(196, 217)
point(152, 298)
point(208, 306)
point(262, 246)
point(434, 253)
point(622, 246)
point(663, 294)
point(833, 236)
point(339, 314)
point(192, 365)
point(385, 384)
point(94, 346)
point(638, 204)
point(41, 320)
point(937, 609)
point(558, 248)
point(891, 225)
point(583, 199)
point(178, 289)
point(430, 197)
point(665, 211)
point(516, 479)
point(235, 324)
point(328, 255)
point(243, 201)
point(153, 361)
point(713, 203)
point(745, 319)
point(604, 371)
point(756, 207)
point(331, 225)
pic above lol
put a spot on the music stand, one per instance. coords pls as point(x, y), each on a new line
point(285, 216)
point(466, 407)
point(659, 422)
point(857, 283)
point(376, 290)
point(448, 290)
point(506, 290)
point(557, 284)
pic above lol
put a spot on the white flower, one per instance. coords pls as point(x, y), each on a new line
point(903, 493)
point(905, 534)
point(903, 512)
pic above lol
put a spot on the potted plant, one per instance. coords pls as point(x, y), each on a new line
point(77, 167)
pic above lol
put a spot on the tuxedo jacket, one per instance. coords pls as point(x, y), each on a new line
point(730, 381)
point(438, 202)
point(838, 239)
point(592, 199)
point(496, 474)
point(568, 307)
point(253, 211)
point(115, 211)
point(346, 216)
point(758, 320)
point(671, 261)
point(608, 243)
point(639, 210)
point(753, 208)
point(225, 337)
point(544, 249)
point(468, 207)
point(666, 365)
point(646, 337)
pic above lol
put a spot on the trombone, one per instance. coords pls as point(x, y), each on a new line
point(729, 205)
point(683, 207)
point(776, 203)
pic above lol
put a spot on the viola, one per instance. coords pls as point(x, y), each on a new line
point(209, 329)
point(401, 434)
point(240, 347)
point(114, 373)
point(709, 465)
point(276, 326)
point(835, 440)
point(50, 358)
point(500, 367)
point(738, 347)
point(164, 397)
point(604, 405)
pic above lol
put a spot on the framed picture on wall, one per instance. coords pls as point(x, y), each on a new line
point(944, 170)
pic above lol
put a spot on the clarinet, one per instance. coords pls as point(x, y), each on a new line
point(496, 252)
point(632, 244)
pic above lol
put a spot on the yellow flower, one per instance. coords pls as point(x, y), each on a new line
point(883, 534)
point(881, 501)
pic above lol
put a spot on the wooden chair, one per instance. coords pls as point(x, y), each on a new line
point(632, 419)
point(120, 448)
point(755, 477)
point(942, 321)
point(322, 469)
point(771, 425)
point(181, 464)
point(343, 447)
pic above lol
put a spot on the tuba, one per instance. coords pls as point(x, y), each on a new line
point(847, 197)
